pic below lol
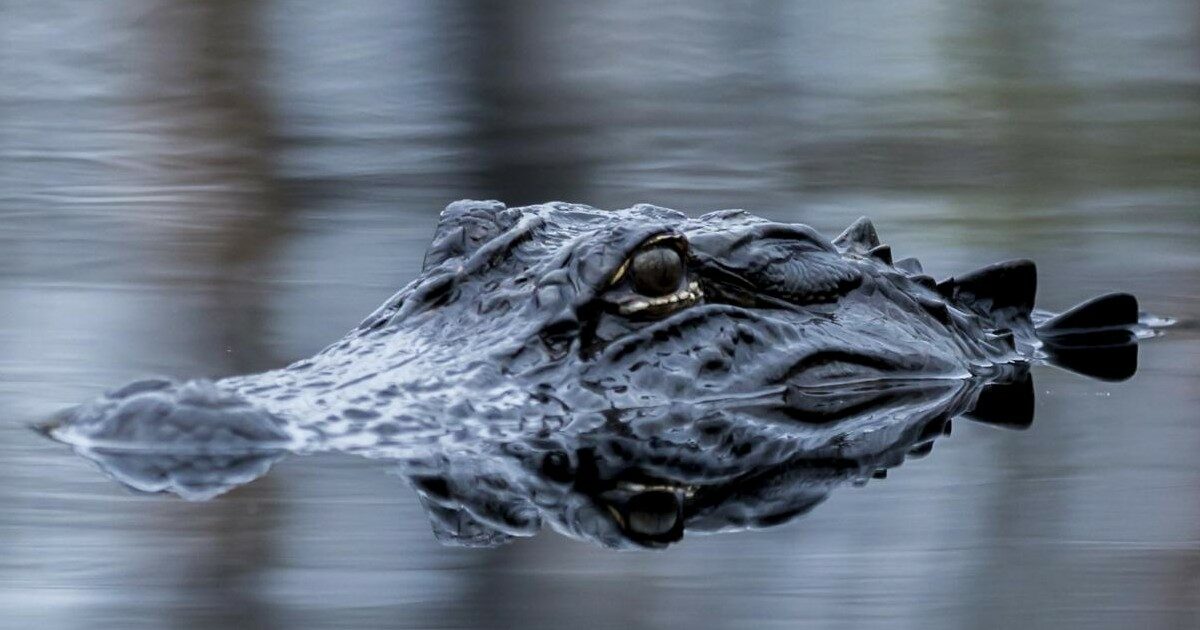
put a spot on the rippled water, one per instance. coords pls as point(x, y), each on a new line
point(206, 189)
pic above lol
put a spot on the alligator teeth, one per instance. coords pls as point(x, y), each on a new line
point(683, 297)
point(633, 486)
point(634, 307)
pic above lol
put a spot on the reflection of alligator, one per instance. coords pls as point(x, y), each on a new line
point(641, 477)
point(535, 323)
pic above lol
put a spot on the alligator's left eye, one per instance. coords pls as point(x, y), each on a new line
point(656, 271)
point(654, 282)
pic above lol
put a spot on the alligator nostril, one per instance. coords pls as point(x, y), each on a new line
point(138, 387)
point(557, 467)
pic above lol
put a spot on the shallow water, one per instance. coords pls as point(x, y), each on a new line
point(203, 189)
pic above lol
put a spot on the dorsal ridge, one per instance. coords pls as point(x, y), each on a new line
point(860, 237)
point(1008, 287)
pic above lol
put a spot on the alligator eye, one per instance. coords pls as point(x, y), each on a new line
point(657, 271)
point(652, 517)
point(653, 514)
point(653, 281)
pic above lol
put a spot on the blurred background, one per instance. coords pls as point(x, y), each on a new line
point(206, 187)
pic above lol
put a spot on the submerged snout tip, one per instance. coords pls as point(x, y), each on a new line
point(48, 426)
point(162, 415)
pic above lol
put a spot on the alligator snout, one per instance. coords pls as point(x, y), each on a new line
point(168, 416)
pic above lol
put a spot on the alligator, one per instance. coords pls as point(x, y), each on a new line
point(723, 347)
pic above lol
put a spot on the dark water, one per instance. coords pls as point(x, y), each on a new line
point(207, 188)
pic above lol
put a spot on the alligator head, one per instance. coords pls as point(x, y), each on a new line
point(525, 320)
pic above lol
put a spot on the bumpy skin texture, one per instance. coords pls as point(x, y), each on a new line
point(526, 326)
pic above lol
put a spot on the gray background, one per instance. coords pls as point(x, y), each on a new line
point(206, 188)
